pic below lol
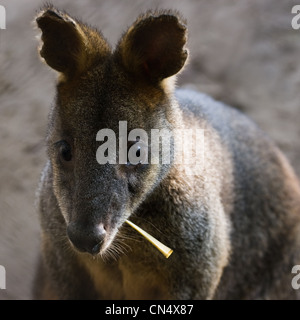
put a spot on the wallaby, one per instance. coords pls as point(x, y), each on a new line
point(234, 223)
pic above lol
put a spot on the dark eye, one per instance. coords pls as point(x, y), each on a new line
point(65, 151)
point(137, 153)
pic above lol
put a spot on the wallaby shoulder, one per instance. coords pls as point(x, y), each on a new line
point(265, 216)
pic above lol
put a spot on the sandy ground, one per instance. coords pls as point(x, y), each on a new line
point(243, 52)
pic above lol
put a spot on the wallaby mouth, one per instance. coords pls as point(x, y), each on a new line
point(97, 240)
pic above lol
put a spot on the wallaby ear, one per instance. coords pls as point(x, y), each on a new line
point(154, 46)
point(69, 46)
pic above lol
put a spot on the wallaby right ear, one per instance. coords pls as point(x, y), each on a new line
point(69, 46)
point(154, 46)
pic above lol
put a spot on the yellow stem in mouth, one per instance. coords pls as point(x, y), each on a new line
point(166, 251)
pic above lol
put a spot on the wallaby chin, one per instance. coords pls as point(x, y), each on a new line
point(131, 160)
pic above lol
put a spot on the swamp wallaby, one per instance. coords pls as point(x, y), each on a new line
point(233, 221)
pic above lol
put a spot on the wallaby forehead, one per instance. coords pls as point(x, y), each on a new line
point(103, 97)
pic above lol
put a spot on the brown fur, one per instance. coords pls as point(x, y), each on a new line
point(233, 224)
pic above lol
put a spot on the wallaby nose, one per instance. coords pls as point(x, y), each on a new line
point(86, 239)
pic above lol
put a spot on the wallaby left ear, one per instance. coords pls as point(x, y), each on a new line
point(69, 46)
point(153, 47)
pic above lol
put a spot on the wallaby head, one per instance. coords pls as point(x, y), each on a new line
point(97, 88)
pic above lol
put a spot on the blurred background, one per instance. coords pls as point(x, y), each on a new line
point(243, 52)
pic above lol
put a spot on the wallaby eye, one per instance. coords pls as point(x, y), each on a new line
point(65, 151)
point(137, 153)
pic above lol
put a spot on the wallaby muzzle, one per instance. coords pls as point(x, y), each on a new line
point(86, 238)
point(95, 216)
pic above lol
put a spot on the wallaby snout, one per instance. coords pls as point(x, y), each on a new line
point(86, 238)
point(95, 220)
